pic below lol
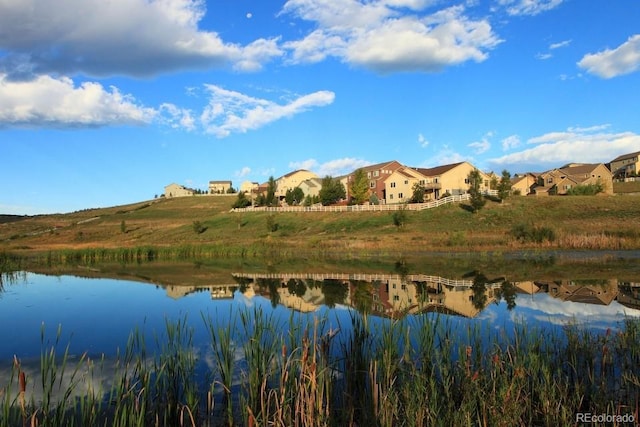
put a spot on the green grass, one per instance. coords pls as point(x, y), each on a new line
point(591, 222)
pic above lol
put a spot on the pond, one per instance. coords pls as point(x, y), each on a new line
point(256, 319)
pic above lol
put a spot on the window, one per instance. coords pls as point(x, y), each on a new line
point(372, 184)
point(393, 185)
point(549, 180)
point(376, 173)
point(406, 181)
point(466, 180)
point(400, 195)
point(396, 297)
point(390, 196)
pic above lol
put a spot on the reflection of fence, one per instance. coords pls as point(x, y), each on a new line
point(358, 208)
point(358, 276)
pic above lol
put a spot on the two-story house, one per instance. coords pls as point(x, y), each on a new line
point(626, 165)
point(450, 179)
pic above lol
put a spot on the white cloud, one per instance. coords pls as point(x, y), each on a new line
point(529, 7)
point(131, 37)
point(445, 156)
point(176, 117)
point(378, 36)
point(579, 145)
point(245, 171)
point(229, 111)
point(422, 140)
point(610, 63)
point(543, 56)
point(336, 167)
point(558, 45)
point(483, 145)
point(510, 142)
point(57, 102)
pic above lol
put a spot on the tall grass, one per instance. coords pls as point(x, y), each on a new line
point(418, 371)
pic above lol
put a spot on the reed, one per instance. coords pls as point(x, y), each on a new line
point(422, 370)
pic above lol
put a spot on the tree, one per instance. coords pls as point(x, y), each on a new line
point(241, 201)
point(359, 189)
point(332, 191)
point(400, 216)
point(272, 186)
point(477, 199)
point(504, 186)
point(295, 196)
point(418, 193)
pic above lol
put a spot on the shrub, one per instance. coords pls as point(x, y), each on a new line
point(529, 233)
point(399, 217)
point(198, 227)
point(272, 225)
point(586, 190)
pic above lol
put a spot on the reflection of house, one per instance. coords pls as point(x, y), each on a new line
point(177, 190)
point(526, 287)
point(219, 187)
point(626, 165)
point(222, 291)
point(629, 294)
point(450, 179)
point(179, 291)
point(560, 181)
point(291, 181)
point(601, 293)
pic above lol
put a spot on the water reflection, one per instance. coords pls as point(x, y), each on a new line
point(395, 295)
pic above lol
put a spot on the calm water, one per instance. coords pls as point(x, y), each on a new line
point(97, 315)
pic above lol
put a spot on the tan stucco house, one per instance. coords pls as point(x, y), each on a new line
point(311, 187)
point(523, 183)
point(626, 165)
point(247, 187)
point(291, 181)
point(561, 180)
point(450, 179)
point(219, 187)
point(398, 187)
point(177, 190)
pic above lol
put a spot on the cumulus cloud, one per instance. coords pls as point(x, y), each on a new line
point(130, 37)
point(176, 117)
point(57, 102)
point(422, 140)
point(510, 142)
point(336, 167)
point(528, 7)
point(610, 63)
point(575, 145)
point(376, 35)
point(483, 145)
point(234, 112)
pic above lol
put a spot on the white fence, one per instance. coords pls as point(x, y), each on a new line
point(359, 208)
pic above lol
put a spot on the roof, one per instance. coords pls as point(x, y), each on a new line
point(219, 182)
point(380, 166)
point(293, 173)
point(579, 169)
point(438, 170)
point(626, 156)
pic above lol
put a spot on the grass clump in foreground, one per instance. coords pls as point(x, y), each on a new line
point(417, 372)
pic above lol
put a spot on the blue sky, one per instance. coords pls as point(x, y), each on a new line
point(105, 102)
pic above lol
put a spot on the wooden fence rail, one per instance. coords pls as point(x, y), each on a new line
point(360, 208)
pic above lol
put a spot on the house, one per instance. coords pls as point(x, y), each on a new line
point(398, 187)
point(247, 187)
point(450, 179)
point(376, 174)
point(563, 179)
point(626, 165)
point(291, 181)
point(177, 190)
point(311, 187)
point(523, 183)
point(219, 187)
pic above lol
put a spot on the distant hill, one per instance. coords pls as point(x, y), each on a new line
point(11, 218)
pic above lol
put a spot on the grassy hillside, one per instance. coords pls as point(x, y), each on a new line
point(587, 222)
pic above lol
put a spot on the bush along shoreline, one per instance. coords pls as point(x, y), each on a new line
point(421, 371)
